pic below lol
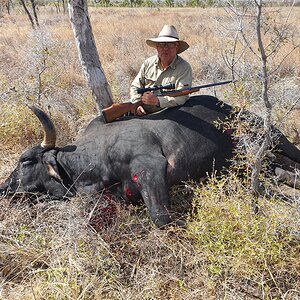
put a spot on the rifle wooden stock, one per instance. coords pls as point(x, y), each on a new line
point(181, 92)
point(117, 110)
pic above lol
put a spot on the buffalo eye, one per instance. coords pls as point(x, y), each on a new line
point(28, 162)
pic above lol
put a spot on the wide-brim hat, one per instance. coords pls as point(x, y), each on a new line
point(168, 35)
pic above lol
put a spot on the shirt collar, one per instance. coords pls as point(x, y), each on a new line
point(172, 65)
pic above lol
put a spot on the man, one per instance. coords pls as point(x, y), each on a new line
point(164, 68)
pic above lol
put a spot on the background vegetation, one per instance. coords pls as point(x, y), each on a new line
point(97, 248)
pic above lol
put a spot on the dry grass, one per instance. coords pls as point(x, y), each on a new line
point(57, 250)
point(62, 250)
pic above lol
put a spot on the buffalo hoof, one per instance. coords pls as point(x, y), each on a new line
point(165, 221)
point(162, 221)
point(288, 178)
point(180, 223)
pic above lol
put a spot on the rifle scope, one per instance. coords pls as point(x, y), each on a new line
point(168, 86)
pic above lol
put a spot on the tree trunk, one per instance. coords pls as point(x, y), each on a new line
point(64, 6)
point(33, 5)
point(5, 4)
point(261, 153)
point(27, 13)
point(88, 54)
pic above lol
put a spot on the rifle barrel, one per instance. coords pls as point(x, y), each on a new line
point(213, 84)
point(193, 89)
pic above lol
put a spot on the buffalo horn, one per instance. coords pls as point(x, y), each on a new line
point(48, 126)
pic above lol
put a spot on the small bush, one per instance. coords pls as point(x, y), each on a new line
point(18, 125)
point(240, 244)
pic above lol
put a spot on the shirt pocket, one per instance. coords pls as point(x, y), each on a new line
point(168, 80)
point(151, 76)
point(149, 81)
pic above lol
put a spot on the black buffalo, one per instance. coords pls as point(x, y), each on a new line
point(144, 155)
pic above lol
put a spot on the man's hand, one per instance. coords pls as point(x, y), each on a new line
point(150, 99)
point(140, 111)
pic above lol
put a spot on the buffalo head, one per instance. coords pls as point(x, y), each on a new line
point(37, 169)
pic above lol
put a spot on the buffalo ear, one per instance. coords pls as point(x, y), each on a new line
point(53, 173)
point(50, 160)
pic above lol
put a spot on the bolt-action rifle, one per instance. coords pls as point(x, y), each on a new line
point(117, 110)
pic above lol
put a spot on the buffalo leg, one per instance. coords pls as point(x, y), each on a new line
point(286, 163)
point(289, 178)
point(288, 149)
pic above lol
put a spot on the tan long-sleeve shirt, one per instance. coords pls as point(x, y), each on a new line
point(152, 73)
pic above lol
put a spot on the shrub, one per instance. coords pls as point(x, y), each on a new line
point(240, 244)
point(18, 125)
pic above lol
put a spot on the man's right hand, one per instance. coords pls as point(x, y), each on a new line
point(140, 111)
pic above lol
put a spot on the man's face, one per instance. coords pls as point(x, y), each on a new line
point(167, 51)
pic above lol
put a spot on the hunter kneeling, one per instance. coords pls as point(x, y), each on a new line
point(166, 69)
point(164, 80)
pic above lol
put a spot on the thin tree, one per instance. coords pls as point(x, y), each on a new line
point(262, 151)
point(277, 36)
point(33, 5)
point(34, 22)
point(27, 13)
point(88, 55)
point(6, 4)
